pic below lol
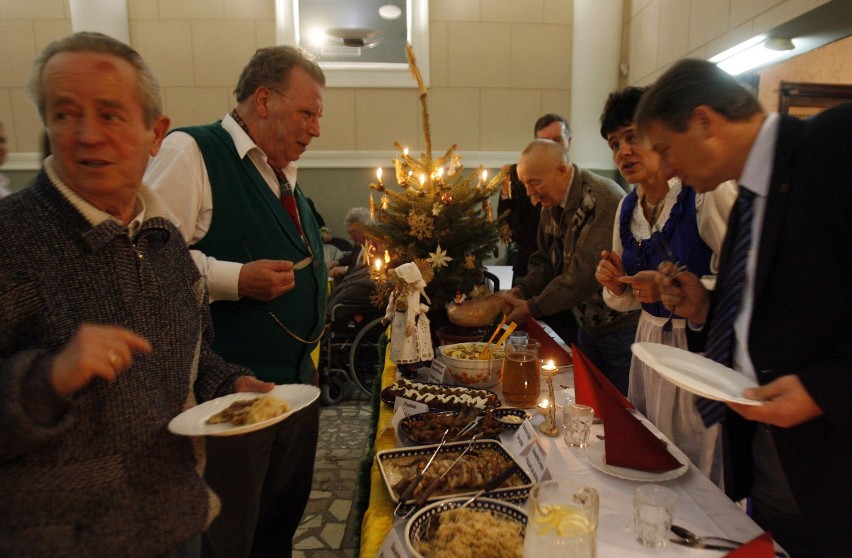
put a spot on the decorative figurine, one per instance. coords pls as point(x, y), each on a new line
point(411, 342)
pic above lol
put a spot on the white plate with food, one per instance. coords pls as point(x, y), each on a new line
point(695, 373)
point(250, 411)
point(596, 455)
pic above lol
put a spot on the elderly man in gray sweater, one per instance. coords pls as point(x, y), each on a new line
point(578, 211)
point(104, 328)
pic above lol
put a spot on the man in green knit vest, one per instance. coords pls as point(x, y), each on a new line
point(231, 187)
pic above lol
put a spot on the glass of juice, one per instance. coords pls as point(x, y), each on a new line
point(521, 375)
point(562, 520)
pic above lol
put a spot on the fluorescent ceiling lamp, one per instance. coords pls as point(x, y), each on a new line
point(750, 54)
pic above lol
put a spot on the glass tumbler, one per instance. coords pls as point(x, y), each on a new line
point(521, 375)
point(562, 520)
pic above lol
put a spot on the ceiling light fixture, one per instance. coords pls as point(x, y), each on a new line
point(752, 53)
point(390, 11)
point(354, 36)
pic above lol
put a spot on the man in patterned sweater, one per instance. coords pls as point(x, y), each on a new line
point(578, 210)
point(104, 328)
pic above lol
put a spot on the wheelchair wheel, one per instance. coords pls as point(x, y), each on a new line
point(331, 390)
point(365, 362)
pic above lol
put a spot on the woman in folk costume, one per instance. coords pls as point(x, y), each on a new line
point(411, 341)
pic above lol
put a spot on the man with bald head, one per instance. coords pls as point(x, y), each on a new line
point(577, 216)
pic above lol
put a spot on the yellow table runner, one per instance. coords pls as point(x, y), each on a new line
point(378, 519)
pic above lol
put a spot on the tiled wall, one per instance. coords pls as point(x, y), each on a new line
point(496, 65)
point(662, 31)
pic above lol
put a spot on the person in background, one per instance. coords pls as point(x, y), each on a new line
point(353, 284)
point(524, 216)
point(660, 220)
point(4, 150)
point(231, 186)
point(105, 331)
point(578, 211)
point(777, 315)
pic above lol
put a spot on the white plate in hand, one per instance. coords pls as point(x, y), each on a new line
point(192, 421)
point(695, 373)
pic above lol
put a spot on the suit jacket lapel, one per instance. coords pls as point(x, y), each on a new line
point(789, 133)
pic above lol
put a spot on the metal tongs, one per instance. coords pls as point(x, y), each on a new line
point(424, 495)
point(409, 489)
point(493, 483)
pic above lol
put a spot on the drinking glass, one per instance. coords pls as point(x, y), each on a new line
point(653, 510)
point(521, 376)
point(578, 423)
point(562, 520)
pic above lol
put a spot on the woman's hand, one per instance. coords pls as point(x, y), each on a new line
point(608, 272)
point(643, 286)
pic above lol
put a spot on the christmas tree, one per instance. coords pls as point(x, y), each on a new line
point(437, 217)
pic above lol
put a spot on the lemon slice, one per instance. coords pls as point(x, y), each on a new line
point(562, 521)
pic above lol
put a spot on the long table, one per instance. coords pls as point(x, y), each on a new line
point(701, 506)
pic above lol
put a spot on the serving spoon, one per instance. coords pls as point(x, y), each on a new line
point(691, 539)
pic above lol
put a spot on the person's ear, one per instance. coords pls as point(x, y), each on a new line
point(160, 127)
point(261, 98)
point(706, 120)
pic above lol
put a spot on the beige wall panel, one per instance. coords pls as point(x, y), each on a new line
point(7, 120)
point(17, 40)
point(454, 116)
point(221, 49)
point(191, 9)
point(167, 47)
point(189, 106)
point(673, 36)
point(637, 6)
point(507, 118)
point(385, 116)
point(554, 100)
point(558, 11)
point(744, 10)
point(512, 11)
point(265, 29)
point(28, 125)
point(143, 9)
point(541, 56)
point(479, 54)
point(783, 12)
point(32, 9)
point(732, 38)
point(48, 30)
point(438, 54)
point(250, 9)
point(708, 19)
point(454, 10)
point(644, 42)
point(337, 124)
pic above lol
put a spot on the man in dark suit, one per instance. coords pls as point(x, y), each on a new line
point(789, 329)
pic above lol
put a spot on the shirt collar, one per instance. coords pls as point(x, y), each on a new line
point(757, 171)
point(246, 146)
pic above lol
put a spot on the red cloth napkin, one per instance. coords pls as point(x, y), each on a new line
point(589, 382)
point(550, 349)
point(628, 442)
point(759, 547)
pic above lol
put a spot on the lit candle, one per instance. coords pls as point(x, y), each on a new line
point(405, 151)
point(379, 175)
point(484, 176)
point(378, 264)
point(422, 180)
point(543, 406)
point(440, 173)
point(548, 368)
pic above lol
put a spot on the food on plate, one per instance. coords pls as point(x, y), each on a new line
point(429, 428)
point(471, 351)
point(470, 473)
point(439, 396)
point(473, 532)
point(511, 419)
point(250, 411)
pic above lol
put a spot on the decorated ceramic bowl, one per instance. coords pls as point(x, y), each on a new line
point(466, 368)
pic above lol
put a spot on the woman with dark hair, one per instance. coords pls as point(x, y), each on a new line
point(660, 220)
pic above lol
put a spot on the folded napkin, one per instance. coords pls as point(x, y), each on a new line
point(628, 443)
point(589, 382)
point(550, 349)
point(759, 547)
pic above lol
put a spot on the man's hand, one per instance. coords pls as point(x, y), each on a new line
point(684, 291)
point(610, 269)
point(250, 383)
point(337, 271)
point(94, 351)
point(265, 280)
point(644, 286)
point(515, 309)
point(786, 403)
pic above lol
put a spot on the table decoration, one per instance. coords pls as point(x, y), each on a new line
point(549, 427)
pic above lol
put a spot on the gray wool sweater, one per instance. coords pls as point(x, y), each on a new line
point(99, 474)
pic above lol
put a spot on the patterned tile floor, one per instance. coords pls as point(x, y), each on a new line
point(329, 528)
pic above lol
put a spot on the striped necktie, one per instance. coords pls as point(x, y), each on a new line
point(720, 336)
point(288, 200)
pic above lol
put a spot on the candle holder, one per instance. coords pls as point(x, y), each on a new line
point(549, 427)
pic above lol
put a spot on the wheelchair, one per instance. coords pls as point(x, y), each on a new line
point(351, 352)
